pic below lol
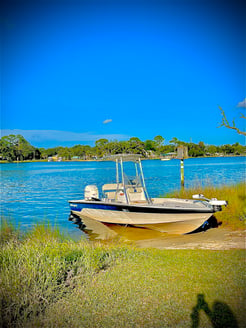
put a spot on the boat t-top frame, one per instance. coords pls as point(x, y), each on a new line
point(130, 185)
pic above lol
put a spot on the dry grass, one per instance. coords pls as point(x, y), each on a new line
point(234, 215)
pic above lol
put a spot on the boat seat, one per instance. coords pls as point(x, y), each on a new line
point(120, 196)
point(110, 195)
point(111, 186)
point(136, 195)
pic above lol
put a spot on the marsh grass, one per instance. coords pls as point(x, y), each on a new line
point(50, 281)
point(41, 268)
point(234, 215)
point(8, 231)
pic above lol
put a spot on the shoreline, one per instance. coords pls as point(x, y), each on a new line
point(101, 160)
point(212, 239)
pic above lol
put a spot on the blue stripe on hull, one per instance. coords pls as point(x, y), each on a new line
point(79, 206)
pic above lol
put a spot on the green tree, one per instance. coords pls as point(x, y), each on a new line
point(24, 149)
point(101, 143)
point(101, 147)
point(64, 152)
point(195, 150)
point(8, 148)
point(89, 152)
point(136, 146)
point(175, 141)
point(79, 150)
point(238, 149)
point(159, 140)
point(150, 145)
point(16, 147)
point(123, 147)
point(211, 149)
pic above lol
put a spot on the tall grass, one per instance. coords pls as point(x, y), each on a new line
point(43, 267)
point(8, 232)
point(49, 281)
point(234, 215)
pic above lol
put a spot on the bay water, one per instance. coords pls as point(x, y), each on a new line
point(39, 191)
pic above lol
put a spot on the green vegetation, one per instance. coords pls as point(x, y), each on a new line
point(234, 215)
point(43, 268)
point(49, 281)
point(16, 148)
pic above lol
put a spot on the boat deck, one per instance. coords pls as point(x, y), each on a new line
point(179, 203)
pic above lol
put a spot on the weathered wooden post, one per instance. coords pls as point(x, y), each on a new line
point(182, 154)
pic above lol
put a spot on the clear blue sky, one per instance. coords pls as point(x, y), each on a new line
point(76, 71)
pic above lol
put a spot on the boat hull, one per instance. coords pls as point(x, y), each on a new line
point(159, 206)
point(163, 222)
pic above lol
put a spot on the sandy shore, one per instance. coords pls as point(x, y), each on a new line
point(214, 239)
point(219, 238)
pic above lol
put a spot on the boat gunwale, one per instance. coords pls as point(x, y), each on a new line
point(149, 208)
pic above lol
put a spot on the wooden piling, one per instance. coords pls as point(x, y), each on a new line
point(182, 172)
point(182, 154)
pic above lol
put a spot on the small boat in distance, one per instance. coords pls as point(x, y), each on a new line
point(165, 159)
point(127, 202)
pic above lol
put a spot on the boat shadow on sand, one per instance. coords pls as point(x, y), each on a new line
point(95, 230)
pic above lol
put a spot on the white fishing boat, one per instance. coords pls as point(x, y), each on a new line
point(127, 202)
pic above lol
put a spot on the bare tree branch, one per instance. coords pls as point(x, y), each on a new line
point(232, 126)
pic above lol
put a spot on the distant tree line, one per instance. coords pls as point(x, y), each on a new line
point(16, 148)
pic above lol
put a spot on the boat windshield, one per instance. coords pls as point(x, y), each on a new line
point(132, 181)
point(125, 185)
point(133, 186)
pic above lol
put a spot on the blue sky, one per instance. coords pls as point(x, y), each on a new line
point(76, 71)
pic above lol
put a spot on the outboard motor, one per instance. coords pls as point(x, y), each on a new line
point(217, 204)
point(91, 192)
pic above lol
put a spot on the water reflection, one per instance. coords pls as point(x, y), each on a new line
point(96, 230)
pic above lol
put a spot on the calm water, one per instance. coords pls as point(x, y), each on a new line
point(34, 192)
